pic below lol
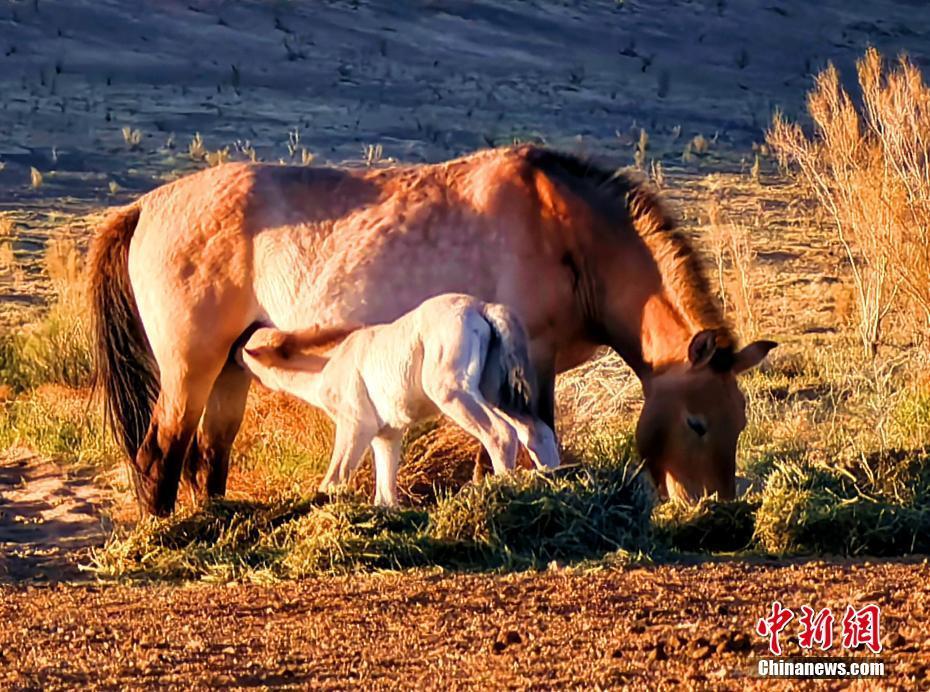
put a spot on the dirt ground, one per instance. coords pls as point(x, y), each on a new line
point(660, 625)
point(356, 81)
point(49, 517)
point(646, 627)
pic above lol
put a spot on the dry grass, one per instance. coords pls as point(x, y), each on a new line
point(55, 350)
point(734, 262)
point(523, 521)
point(868, 167)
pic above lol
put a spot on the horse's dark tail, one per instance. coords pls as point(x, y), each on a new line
point(125, 368)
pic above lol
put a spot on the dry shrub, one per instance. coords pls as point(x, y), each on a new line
point(869, 167)
point(600, 394)
point(736, 270)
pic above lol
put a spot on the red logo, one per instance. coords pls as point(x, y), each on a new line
point(772, 625)
point(861, 627)
point(815, 629)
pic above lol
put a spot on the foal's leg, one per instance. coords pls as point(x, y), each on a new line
point(209, 452)
point(453, 383)
point(476, 417)
point(352, 439)
point(538, 439)
point(386, 448)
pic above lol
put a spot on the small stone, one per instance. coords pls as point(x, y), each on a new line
point(512, 637)
point(701, 652)
point(658, 653)
point(896, 641)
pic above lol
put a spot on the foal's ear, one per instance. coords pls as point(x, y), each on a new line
point(751, 355)
point(267, 346)
point(702, 347)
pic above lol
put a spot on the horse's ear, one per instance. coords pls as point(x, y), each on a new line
point(702, 347)
point(752, 355)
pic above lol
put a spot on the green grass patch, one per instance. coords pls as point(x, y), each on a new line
point(59, 423)
point(521, 521)
point(881, 507)
point(711, 525)
point(53, 351)
point(56, 349)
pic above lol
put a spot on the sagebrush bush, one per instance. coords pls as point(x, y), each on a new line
point(868, 167)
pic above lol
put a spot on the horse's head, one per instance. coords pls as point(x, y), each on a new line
point(692, 418)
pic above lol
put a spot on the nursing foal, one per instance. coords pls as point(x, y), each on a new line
point(454, 354)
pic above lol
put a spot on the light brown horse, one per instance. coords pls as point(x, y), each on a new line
point(583, 256)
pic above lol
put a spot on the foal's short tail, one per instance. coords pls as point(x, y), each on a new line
point(508, 351)
point(124, 364)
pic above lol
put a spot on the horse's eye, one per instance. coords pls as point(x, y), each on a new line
point(697, 425)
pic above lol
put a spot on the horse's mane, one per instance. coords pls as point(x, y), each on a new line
point(620, 196)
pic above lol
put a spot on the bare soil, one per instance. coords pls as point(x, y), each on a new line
point(654, 626)
point(50, 516)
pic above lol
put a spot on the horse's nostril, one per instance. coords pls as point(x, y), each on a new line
point(697, 425)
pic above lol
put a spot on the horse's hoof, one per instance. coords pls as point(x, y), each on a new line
point(320, 498)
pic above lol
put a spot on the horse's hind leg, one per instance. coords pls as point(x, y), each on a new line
point(160, 459)
point(208, 457)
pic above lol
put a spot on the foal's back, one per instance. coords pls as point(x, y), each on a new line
point(441, 343)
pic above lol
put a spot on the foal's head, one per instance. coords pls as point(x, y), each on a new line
point(692, 418)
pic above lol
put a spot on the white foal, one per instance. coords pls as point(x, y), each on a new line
point(454, 354)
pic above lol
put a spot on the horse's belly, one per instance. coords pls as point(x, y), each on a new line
point(367, 280)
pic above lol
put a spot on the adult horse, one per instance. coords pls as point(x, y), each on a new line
point(584, 256)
